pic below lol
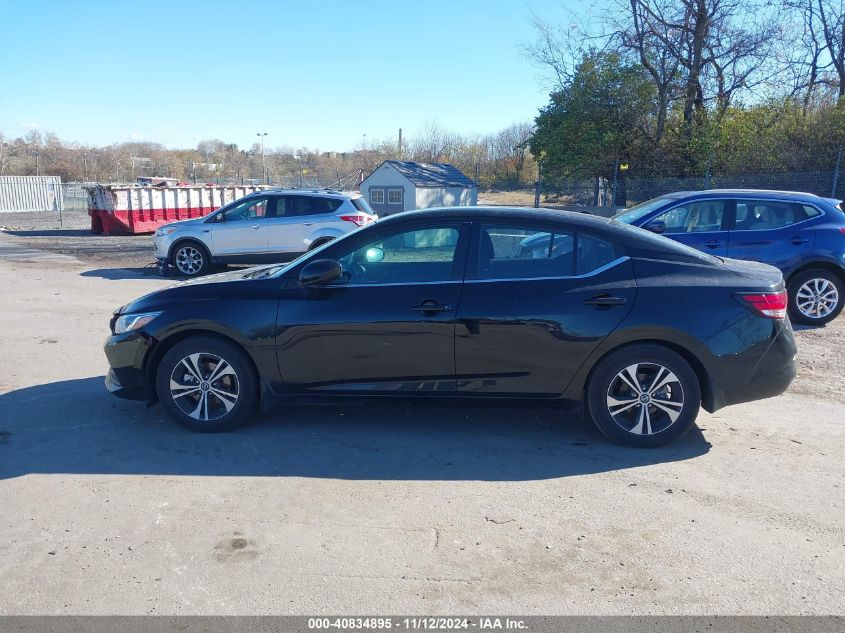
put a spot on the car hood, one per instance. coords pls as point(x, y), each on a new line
point(199, 289)
point(185, 223)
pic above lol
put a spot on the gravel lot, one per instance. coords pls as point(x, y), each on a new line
point(392, 507)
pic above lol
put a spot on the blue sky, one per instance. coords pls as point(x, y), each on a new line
point(318, 74)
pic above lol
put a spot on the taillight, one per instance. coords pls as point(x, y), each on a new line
point(357, 220)
point(766, 304)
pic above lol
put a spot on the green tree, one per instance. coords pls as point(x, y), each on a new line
point(600, 117)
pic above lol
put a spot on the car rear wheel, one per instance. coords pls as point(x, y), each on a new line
point(191, 259)
point(643, 395)
point(206, 384)
point(815, 297)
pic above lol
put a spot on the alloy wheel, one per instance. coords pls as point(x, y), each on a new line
point(645, 398)
point(188, 260)
point(817, 298)
point(204, 386)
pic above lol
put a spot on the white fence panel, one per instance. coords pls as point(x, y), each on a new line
point(30, 193)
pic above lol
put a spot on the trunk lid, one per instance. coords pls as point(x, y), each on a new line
point(754, 271)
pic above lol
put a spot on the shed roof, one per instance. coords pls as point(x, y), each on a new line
point(431, 174)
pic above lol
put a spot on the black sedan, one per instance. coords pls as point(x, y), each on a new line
point(451, 303)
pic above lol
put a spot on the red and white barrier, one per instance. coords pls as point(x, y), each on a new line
point(131, 210)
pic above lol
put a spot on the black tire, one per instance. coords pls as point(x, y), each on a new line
point(184, 404)
point(319, 242)
point(190, 258)
point(635, 420)
point(817, 291)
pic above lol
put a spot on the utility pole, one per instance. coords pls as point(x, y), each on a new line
point(400, 143)
point(36, 162)
point(263, 163)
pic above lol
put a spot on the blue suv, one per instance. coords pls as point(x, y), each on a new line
point(801, 234)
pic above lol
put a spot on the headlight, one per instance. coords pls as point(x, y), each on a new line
point(166, 230)
point(126, 322)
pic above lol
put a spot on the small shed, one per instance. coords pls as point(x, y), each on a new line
point(398, 185)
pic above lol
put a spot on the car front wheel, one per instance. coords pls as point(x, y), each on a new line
point(643, 395)
point(206, 384)
point(815, 297)
point(191, 259)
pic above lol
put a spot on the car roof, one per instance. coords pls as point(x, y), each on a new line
point(745, 193)
point(501, 213)
point(330, 193)
point(632, 237)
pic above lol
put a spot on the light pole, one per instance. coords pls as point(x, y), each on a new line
point(263, 163)
point(35, 153)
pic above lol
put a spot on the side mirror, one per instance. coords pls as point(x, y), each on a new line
point(320, 272)
point(374, 254)
point(656, 226)
point(219, 217)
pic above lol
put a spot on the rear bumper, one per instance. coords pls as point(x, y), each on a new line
point(764, 371)
point(126, 354)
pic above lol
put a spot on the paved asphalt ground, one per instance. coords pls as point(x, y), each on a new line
point(107, 507)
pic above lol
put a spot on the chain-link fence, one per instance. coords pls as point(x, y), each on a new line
point(603, 195)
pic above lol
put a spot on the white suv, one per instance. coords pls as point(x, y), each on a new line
point(274, 225)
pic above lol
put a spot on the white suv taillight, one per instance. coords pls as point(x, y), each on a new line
point(767, 304)
point(357, 220)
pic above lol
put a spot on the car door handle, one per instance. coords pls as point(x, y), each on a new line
point(255, 226)
point(798, 240)
point(605, 301)
point(430, 305)
point(713, 244)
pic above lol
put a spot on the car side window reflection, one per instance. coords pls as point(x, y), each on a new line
point(421, 255)
point(252, 209)
point(755, 215)
point(695, 217)
point(512, 252)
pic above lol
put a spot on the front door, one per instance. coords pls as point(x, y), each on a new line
point(242, 235)
point(536, 302)
point(772, 232)
point(388, 325)
point(701, 224)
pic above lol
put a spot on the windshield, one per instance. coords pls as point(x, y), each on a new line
point(641, 210)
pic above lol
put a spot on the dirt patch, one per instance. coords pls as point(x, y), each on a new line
point(821, 362)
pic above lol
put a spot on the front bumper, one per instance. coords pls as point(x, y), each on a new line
point(127, 354)
point(161, 246)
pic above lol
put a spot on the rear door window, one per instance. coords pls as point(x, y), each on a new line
point(525, 252)
point(325, 205)
point(763, 215)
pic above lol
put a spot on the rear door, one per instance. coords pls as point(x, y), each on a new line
point(701, 224)
point(536, 301)
point(242, 235)
point(773, 232)
point(295, 221)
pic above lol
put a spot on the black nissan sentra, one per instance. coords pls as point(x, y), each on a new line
point(468, 302)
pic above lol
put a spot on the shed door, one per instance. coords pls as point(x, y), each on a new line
point(378, 201)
